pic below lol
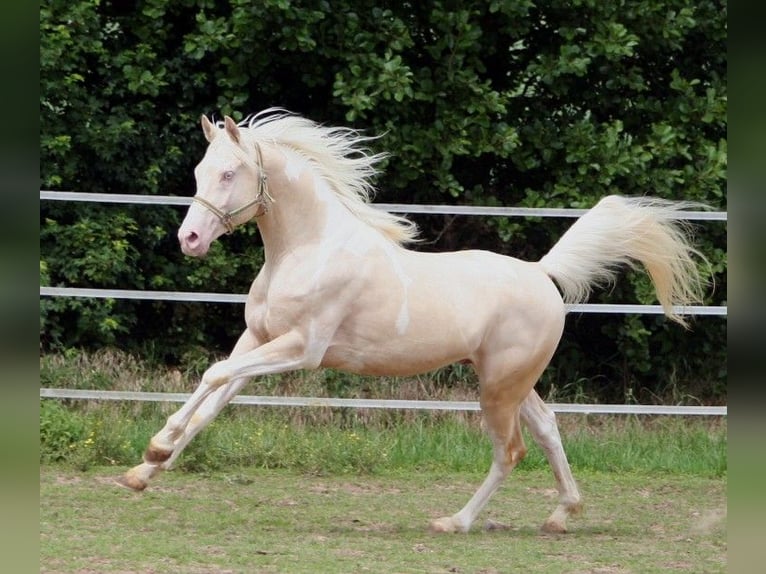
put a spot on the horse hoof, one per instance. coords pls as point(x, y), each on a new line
point(553, 527)
point(130, 482)
point(446, 524)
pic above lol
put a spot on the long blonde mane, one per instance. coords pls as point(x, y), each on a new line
point(341, 159)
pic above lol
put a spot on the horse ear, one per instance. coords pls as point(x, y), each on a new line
point(208, 128)
point(231, 128)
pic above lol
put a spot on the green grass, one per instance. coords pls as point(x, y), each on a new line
point(270, 438)
point(342, 440)
point(258, 521)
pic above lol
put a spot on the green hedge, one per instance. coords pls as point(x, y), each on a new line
point(486, 103)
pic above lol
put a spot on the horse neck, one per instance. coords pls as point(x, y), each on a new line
point(304, 209)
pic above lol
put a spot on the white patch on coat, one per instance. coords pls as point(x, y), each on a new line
point(295, 165)
point(403, 318)
point(333, 214)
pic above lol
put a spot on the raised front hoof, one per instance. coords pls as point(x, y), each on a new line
point(131, 482)
point(446, 524)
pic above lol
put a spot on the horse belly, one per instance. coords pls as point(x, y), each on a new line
point(388, 360)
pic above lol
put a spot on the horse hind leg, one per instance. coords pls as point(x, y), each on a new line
point(541, 422)
point(501, 419)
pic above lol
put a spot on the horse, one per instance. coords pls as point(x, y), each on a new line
point(343, 287)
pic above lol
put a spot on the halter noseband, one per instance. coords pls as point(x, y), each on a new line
point(262, 198)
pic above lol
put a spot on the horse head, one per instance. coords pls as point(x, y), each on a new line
point(231, 187)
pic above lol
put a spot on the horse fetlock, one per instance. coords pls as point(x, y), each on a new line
point(574, 508)
point(157, 453)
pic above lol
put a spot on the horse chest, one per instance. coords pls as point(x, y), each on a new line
point(296, 305)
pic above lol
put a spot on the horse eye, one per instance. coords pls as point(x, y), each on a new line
point(227, 175)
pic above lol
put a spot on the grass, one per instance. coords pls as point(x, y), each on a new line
point(255, 520)
point(267, 438)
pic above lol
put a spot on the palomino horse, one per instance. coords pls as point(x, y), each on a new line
point(339, 289)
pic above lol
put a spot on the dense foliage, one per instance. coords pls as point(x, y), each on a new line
point(487, 103)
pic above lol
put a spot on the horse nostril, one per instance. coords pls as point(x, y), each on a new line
point(189, 238)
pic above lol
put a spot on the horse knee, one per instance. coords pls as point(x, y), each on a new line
point(215, 376)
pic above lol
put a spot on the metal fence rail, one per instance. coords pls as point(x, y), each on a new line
point(85, 394)
point(199, 297)
point(391, 207)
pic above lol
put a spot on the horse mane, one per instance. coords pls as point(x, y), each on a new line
point(338, 153)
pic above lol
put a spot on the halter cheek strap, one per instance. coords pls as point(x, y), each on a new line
point(262, 198)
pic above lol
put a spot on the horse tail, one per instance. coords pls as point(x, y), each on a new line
point(626, 231)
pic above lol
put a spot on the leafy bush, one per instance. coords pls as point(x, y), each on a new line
point(60, 431)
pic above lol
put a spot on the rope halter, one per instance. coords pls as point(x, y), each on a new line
point(262, 198)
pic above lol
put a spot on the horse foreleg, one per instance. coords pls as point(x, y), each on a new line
point(541, 422)
point(219, 384)
point(205, 414)
point(138, 477)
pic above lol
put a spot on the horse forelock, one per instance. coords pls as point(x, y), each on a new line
point(340, 157)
